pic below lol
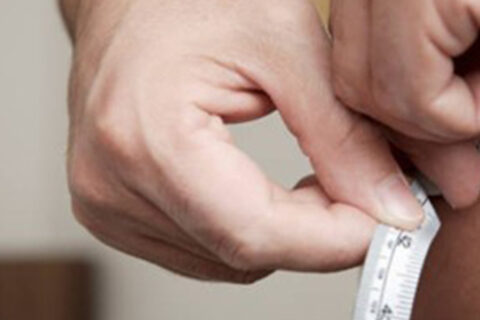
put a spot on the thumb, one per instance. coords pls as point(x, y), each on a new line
point(351, 159)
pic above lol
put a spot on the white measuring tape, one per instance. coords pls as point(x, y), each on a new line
point(393, 267)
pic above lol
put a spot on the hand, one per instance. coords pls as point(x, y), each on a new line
point(413, 65)
point(454, 168)
point(152, 167)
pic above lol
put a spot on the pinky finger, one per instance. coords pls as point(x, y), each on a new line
point(177, 260)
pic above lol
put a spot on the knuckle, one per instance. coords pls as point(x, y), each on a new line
point(86, 186)
point(112, 135)
point(243, 252)
point(111, 124)
point(246, 256)
point(84, 219)
point(80, 185)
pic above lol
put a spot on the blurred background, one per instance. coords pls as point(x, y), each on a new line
point(52, 268)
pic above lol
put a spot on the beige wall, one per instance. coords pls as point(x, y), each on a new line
point(35, 216)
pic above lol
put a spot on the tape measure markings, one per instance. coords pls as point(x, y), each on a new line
point(393, 267)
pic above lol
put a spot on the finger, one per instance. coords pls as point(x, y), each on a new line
point(132, 240)
point(140, 217)
point(306, 237)
point(412, 72)
point(351, 65)
point(308, 189)
point(223, 201)
point(454, 168)
point(253, 224)
point(184, 263)
point(352, 160)
point(223, 89)
point(349, 23)
point(177, 260)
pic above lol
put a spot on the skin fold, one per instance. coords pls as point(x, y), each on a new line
point(450, 285)
point(386, 66)
point(410, 64)
point(154, 172)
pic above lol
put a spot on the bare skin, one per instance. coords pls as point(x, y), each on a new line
point(153, 170)
point(411, 64)
point(150, 230)
point(450, 285)
point(414, 66)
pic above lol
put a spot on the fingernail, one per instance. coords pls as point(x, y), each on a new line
point(399, 206)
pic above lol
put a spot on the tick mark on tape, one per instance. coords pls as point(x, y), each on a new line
point(393, 267)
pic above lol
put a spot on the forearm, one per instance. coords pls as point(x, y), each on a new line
point(450, 285)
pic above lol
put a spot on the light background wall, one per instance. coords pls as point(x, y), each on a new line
point(34, 206)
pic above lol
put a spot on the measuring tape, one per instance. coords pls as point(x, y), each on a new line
point(393, 267)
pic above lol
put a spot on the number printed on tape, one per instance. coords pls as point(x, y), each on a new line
point(393, 267)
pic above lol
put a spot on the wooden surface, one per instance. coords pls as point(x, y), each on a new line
point(45, 290)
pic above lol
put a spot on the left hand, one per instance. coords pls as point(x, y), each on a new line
point(454, 168)
point(410, 64)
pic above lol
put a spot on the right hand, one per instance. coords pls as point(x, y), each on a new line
point(152, 167)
